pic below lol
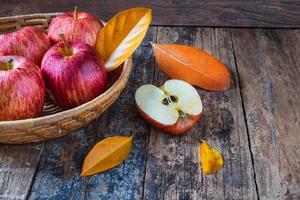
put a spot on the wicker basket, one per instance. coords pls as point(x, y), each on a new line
point(54, 122)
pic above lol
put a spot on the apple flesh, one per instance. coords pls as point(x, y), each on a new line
point(174, 108)
point(76, 26)
point(29, 42)
point(74, 73)
point(22, 88)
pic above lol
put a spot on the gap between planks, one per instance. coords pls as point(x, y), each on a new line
point(244, 112)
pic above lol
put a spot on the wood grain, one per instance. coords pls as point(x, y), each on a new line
point(17, 168)
point(272, 13)
point(172, 169)
point(57, 176)
point(269, 68)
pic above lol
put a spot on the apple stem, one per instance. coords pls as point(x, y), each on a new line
point(8, 64)
point(75, 13)
point(66, 44)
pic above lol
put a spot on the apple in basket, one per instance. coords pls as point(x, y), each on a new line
point(76, 26)
point(74, 73)
point(29, 42)
point(22, 88)
point(175, 107)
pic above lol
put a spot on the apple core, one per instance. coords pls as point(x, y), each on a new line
point(171, 100)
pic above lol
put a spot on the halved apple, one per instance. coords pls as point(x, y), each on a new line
point(174, 107)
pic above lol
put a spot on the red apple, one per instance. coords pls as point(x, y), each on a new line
point(174, 108)
point(76, 26)
point(73, 73)
point(29, 42)
point(22, 88)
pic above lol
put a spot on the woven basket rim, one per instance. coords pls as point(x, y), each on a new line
point(13, 17)
point(127, 65)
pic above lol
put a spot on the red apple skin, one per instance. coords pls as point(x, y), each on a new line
point(74, 80)
point(181, 126)
point(22, 89)
point(29, 42)
point(85, 28)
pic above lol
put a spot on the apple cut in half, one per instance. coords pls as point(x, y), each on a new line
point(175, 107)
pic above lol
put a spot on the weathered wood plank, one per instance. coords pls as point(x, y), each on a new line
point(172, 169)
point(126, 181)
point(18, 164)
point(269, 69)
point(58, 175)
point(272, 13)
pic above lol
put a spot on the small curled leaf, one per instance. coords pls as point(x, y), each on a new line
point(210, 158)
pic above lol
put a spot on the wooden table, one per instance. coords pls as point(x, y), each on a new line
point(255, 124)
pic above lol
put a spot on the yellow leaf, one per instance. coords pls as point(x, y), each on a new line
point(106, 154)
point(210, 158)
point(122, 35)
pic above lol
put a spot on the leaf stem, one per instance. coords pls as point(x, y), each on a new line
point(202, 141)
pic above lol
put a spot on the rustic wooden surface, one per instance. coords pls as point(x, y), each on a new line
point(257, 13)
point(269, 68)
point(255, 124)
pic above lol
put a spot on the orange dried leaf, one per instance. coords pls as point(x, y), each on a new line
point(210, 158)
point(106, 154)
point(192, 65)
point(122, 35)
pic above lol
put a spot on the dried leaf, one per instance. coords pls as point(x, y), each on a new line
point(192, 65)
point(106, 154)
point(122, 35)
point(210, 158)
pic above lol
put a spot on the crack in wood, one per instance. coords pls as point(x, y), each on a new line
point(246, 123)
